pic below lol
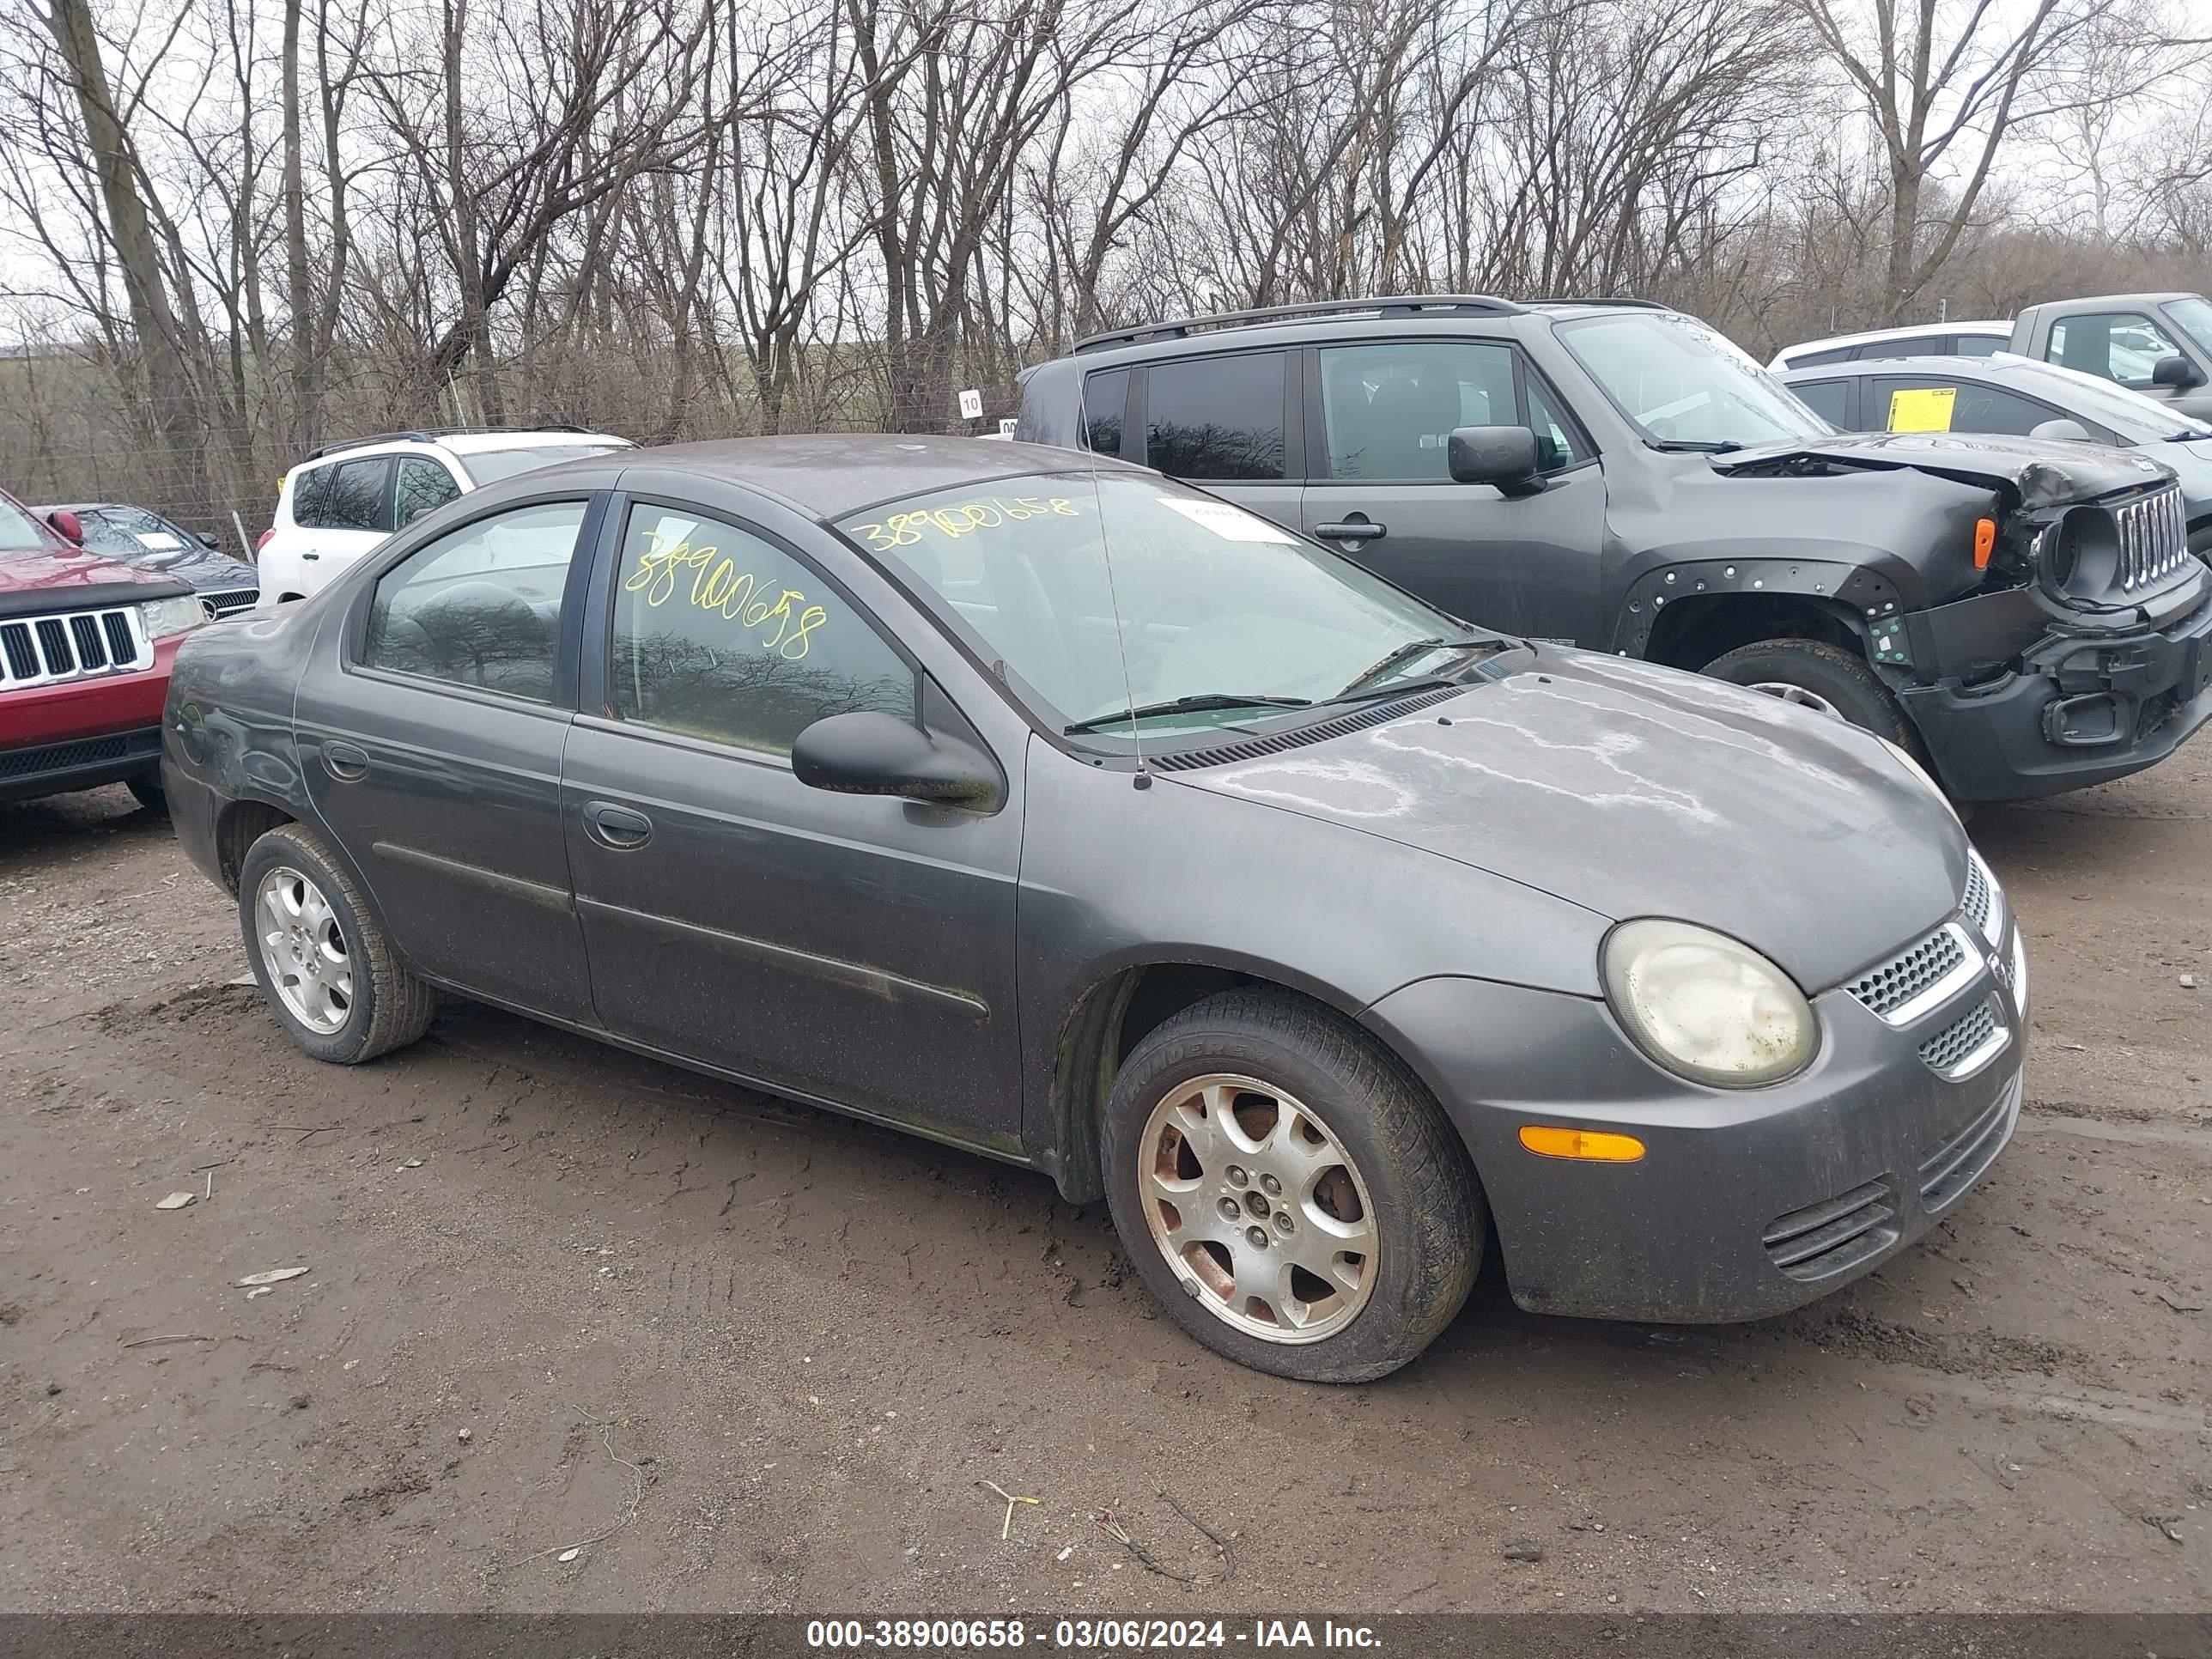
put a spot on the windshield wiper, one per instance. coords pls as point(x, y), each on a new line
point(1695, 446)
point(1184, 705)
point(1405, 654)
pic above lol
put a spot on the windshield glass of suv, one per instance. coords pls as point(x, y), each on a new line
point(1683, 384)
point(1216, 604)
point(489, 465)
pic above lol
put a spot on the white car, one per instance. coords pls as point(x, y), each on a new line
point(347, 497)
point(1979, 338)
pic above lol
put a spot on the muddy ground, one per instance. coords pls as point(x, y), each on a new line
point(751, 1357)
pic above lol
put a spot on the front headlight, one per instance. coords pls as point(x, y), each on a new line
point(1904, 758)
point(1706, 1007)
point(162, 618)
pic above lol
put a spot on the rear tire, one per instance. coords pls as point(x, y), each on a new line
point(1288, 1190)
point(1829, 676)
point(322, 961)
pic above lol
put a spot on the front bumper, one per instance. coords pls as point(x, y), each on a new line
point(55, 769)
point(1746, 1204)
point(2075, 708)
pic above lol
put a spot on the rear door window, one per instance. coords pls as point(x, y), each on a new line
point(480, 607)
point(1819, 359)
point(1929, 404)
point(357, 497)
point(1217, 417)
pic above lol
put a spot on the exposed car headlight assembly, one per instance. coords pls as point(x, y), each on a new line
point(2078, 557)
point(162, 618)
point(1705, 1006)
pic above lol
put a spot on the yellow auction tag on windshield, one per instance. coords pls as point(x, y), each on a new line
point(1922, 408)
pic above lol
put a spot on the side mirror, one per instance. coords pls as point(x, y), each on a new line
point(869, 753)
point(2072, 430)
point(2176, 373)
point(67, 526)
point(1501, 455)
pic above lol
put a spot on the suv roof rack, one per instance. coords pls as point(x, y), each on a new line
point(1396, 305)
point(429, 434)
point(1603, 300)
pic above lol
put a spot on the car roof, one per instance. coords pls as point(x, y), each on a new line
point(1875, 336)
point(456, 443)
point(829, 475)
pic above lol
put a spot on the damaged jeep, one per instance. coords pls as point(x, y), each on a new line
point(2022, 615)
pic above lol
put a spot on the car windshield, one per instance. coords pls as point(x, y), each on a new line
point(130, 534)
point(489, 465)
point(1683, 384)
point(2136, 418)
point(18, 530)
point(1221, 610)
point(2193, 317)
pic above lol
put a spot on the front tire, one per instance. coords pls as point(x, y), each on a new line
point(146, 789)
point(325, 966)
point(1818, 675)
point(1289, 1191)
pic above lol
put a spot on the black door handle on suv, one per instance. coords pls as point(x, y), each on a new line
point(1358, 530)
point(618, 827)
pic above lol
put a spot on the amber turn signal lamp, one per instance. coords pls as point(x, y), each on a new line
point(1986, 542)
point(1548, 1141)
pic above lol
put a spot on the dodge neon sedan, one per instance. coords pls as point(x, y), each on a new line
point(1046, 807)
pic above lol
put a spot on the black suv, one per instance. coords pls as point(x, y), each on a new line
point(2023, 614)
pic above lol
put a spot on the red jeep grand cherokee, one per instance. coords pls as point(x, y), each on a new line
point(85, 648)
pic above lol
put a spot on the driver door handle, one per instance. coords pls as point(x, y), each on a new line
point(1357, 531)
point(620, 827)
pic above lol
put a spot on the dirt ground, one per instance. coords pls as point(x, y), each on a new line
point(751, 1357)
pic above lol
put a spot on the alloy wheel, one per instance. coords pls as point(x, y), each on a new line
point(303, 950)
point(1258, 1208)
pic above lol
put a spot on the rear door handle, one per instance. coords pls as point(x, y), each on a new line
point(345, 762)
point(1357, 531)
point(618, 827)
point(311, 556)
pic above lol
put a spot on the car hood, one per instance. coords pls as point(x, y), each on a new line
point(2041, 471)
point(1633, 790)
point(49, 570)
point(202, 568)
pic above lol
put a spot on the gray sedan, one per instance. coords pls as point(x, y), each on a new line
point(2019, 396)
point(1042, 806)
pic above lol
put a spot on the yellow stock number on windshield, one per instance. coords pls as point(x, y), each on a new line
point(719, 585)
point(905, 529)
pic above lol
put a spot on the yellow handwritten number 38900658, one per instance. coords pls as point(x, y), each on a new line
point(719, 585)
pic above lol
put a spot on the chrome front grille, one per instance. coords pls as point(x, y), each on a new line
point(71, 646)
point(1835, 1235)
point(229, 599)
point(1916, 977)
point(1967, 1044)
point(2154, 538)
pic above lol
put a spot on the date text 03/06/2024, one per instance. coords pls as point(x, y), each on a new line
point(1083, 1635)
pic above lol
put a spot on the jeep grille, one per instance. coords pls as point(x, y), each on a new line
point(2154, 538)
point(71, 645)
